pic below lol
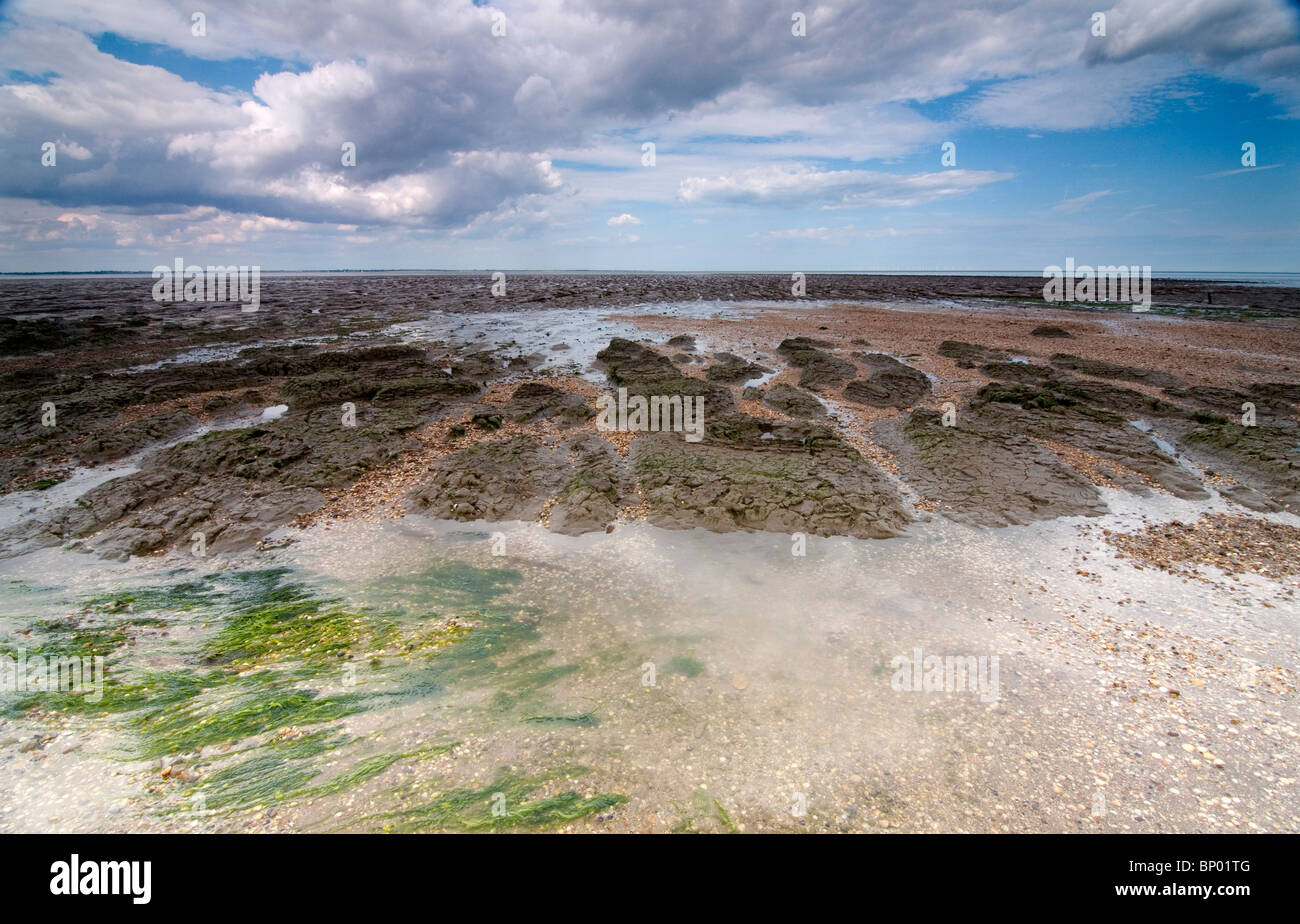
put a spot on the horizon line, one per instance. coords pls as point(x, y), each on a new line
point(1034, 273)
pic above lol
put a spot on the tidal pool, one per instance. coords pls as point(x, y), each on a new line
point(420, 675)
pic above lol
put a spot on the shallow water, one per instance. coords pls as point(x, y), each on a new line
point(22, 507)
point(716, 682)
point(208, 354)
point(584, 331)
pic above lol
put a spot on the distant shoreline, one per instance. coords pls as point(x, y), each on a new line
point(1276, 295)
point(1283, 278)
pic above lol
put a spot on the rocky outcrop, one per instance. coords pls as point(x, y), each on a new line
point(889, 383)
point(790, 400)
point(731, 369)
point(818, 369)
point(828, 492)
point(988, 475)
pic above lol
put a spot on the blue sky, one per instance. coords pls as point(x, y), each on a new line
point(773, 151)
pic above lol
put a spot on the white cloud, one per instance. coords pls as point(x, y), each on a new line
point(1077, 97)
point(1079, 203)
point(74, 150)
point(806, 234)
point(806, 185)
point(1214, 31)
point(1215, 176)
point(838, 234)
point(458, 131)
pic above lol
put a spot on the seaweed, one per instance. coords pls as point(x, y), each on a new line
point(193, 725)
point(501, 805)
point(584, 719)
point(297, 631)
point(684, 665)
point(283, 768)
point(704, 815)
point(251, 690)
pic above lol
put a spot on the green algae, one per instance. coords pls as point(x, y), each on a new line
point(152, 690)
point(246, 706)
point(684, 665)
point(583, 719)
point(63, 639)
point(301, 631)
point(258, 781)
point(368, 768)
point(704, 815)
point(502, 805)
point(1259, 444)
point(921, 431)
point(449, 585)
point(284, 769)
point(476, 658)
point(232, 589)
point(594, 481)
point(781, 468)
point(167, 598)
point(531, 672)
point(189, 726)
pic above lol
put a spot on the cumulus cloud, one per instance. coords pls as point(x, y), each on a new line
point(1252, 41)
point(74, 150)
point(209, 229)
point(462, 132)
point(619, 221)
point(1213, 31)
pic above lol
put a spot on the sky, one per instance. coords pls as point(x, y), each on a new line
point(514, 135)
